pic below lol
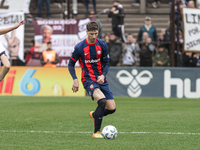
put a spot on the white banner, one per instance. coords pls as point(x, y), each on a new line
point(14, 40)
point(191, 29)
point(14, 6)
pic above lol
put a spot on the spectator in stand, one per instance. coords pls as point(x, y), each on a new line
point(149, 28)
point(156, 3)
point(92, 15)
point(161, 35)
point(179, 4)
point(49, 58)
point(130, 49)
point(30, 52)
point(87, 6)
point(40, 5)
point(161, 58)
point(114, 50)
point(117, 14)
point(107, 39)
point(189, 59)
point(145, 50)
point(191, 4)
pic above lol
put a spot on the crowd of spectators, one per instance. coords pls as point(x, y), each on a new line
point(149, 48)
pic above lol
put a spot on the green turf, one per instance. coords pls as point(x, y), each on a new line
point(62, 123)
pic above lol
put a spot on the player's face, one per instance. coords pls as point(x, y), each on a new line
point(92, 35)
point(46, 35)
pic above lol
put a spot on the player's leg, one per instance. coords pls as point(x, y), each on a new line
point(97, 116)
point(110, 103)
point(99, 112)
point(110, 107)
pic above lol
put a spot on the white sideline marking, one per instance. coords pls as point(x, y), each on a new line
point(68, 132)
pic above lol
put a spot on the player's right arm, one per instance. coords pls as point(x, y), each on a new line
point(6, 65)
point(72, 61)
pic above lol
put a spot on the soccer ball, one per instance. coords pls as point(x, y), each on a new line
point(109, 132)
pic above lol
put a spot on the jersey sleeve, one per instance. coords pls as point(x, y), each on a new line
point(105, 58)
point(74, 57)
point(75, 54)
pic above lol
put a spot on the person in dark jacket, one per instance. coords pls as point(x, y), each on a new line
point(189, 59)
point(115, 50)
point(145, 51)
point(117, 14)
point(149, 28)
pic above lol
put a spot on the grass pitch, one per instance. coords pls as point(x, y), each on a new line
point(63, 123)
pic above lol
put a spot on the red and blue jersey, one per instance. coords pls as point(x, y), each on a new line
point(93, 58)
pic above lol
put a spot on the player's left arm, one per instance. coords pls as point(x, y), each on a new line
point(105, 58)
point(105, 62)
point(6, 65)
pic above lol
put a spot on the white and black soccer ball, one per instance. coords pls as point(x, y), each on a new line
point(109, 132)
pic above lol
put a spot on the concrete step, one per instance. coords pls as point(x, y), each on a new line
point(163, 8)
point(128, 30)
point(163, 25)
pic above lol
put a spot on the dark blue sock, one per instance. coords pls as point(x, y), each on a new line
point(107, 112)
point(98, 114)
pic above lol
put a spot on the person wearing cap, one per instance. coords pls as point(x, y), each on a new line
point(149, 28)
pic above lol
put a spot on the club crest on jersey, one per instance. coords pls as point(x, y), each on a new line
point(91, 86)
point(99, 52)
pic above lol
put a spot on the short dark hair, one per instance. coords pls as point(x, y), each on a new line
point(93, 25)
point(49, 42)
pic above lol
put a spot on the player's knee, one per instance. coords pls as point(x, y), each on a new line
point(102, 102)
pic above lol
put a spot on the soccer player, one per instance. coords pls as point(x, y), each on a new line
point(92, 54)
point(3, 57)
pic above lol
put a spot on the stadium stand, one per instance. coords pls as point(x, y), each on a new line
point(133, 20)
